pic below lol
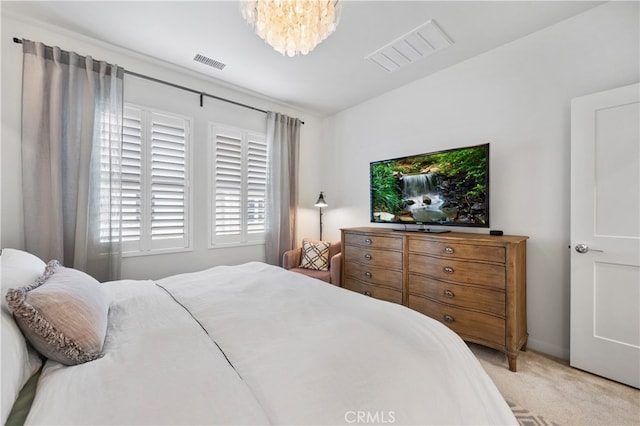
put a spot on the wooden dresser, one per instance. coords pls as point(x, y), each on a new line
point(473, 283)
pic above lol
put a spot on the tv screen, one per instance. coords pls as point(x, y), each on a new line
point(438, 188)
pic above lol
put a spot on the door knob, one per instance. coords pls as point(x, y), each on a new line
point(583, 248)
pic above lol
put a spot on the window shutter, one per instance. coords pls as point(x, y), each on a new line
point(132, 178)
point(256, 183)
point(227, 183)
point(239, 182)
point(155, 184)
point(169, 182)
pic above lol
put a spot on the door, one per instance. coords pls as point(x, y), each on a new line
point(605, 234)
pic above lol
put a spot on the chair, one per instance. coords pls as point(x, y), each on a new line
point(291, 261)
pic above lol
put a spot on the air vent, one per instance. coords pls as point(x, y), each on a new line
point(208, 61)
point(411, 47)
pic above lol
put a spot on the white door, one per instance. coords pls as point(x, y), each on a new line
point(605, 234)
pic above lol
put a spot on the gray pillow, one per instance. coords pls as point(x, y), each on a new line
point(63, 314)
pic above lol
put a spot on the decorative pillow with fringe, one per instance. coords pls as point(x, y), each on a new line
point(63, 314)
point(315, 255)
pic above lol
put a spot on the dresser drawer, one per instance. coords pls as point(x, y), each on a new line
point(374, 241)
point(373, 257)
point(468, 324)
point(374, 275)
point(457, 250)
point(490, 301)
point(459, 271)
point(381, 293)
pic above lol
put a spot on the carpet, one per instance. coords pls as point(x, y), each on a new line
point(547, 391)
point(527, 418)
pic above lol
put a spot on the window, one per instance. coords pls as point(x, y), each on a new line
point(155, 180)
point(239, 181)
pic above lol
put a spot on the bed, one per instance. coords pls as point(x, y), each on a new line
point(248, 344)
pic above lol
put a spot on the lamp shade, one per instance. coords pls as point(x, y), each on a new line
point(321, 202)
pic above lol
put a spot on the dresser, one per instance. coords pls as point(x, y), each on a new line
point(473, 283)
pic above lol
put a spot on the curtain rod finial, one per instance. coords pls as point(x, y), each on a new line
point(17, 40)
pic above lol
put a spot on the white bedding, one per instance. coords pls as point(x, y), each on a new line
point(255, 344)
point(158, 368)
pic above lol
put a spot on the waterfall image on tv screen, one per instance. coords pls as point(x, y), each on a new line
point(441, 188)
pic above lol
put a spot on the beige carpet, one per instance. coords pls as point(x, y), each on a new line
point(554, 393)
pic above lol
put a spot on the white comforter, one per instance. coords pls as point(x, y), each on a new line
point(255, 344)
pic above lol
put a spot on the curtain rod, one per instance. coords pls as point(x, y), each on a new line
point(177, 86)
point(188, 89)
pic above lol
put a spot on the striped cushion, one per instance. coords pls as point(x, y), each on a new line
point(315, 255)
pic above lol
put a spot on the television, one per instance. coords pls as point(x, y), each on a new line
point(449, 188)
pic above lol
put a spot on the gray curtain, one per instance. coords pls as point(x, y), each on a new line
point(71, 164)
point(283, 140)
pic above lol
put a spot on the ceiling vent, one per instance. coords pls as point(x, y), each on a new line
point(411, 47)
point(208, 61)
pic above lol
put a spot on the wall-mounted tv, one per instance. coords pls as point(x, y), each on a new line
point(449, 188)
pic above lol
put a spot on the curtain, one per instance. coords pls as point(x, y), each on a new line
point(283, 140)
point(71, 164)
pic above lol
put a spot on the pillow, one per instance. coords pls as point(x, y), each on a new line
point(315, 255)
point(19, 360)
point(63, 314)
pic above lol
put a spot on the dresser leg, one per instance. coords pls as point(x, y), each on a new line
point(512, 362)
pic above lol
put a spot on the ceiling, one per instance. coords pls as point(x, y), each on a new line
point(335, 75)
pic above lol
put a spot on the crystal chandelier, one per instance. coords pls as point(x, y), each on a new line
point(292, 26)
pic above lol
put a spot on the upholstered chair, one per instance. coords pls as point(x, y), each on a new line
point(291, 260)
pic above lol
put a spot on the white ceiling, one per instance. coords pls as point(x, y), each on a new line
point(335, 75)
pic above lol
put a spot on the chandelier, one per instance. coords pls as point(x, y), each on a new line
point(292, 26)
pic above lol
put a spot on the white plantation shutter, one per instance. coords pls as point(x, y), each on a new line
point(131, 179)
point(228, 183)
point(155, 206)
point(168, 181)
point(256, 183)
point(238, 185)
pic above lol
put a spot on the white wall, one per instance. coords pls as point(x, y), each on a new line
point(161, 97)
point(517, 97)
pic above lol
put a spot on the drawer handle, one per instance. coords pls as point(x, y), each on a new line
point(368, 241)
point(367, 256)
point(448, 250)
point(367, 293)
point(448, 269)
point(367, 274)
point(448, 293)
point(449, 319)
